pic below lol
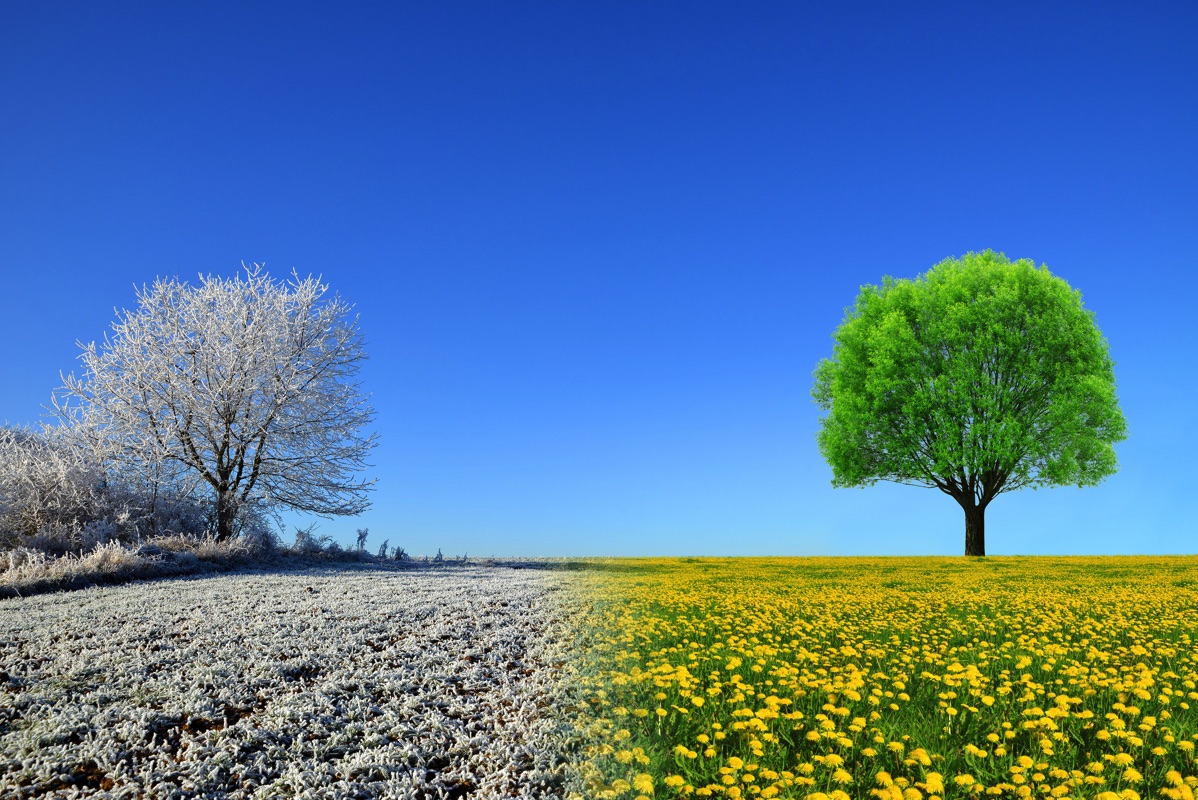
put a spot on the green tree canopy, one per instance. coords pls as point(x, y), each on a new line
point(980, 377)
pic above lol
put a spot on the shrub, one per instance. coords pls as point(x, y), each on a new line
point(48, 490)
point(306, 540)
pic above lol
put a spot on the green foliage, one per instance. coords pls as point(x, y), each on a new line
point(979, 377)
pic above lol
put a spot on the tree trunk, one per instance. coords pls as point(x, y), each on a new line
point(975, 530)
point(226, 510)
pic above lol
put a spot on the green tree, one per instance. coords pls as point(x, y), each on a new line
point(980, 377)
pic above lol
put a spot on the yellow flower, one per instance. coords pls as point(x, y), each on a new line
point(921, 756)
point(1132, 776)
point(964, 780)
point(735, 762)
point(842, 776)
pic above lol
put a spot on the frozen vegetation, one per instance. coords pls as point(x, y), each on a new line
point(345, 681)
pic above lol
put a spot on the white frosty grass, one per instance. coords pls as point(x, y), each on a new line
point(340, 682)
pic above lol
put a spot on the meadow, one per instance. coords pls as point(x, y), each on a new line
point(894, 678)
point(342, 681)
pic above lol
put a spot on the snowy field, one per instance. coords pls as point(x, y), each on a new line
point(338, 682)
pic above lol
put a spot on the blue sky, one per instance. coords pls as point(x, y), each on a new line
point(598, 248)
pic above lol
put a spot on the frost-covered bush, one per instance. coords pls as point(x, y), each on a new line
point(21, 557)
point(260, 539)
point(306, 540)
point(58, 496)
point(49, 491)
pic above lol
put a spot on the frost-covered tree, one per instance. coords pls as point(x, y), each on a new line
point(247, 384)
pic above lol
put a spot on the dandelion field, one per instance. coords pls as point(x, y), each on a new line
point(895, 678)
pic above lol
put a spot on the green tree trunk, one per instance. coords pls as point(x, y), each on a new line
point(975, 530)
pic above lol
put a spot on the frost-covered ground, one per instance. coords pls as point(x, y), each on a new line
point(339, 682)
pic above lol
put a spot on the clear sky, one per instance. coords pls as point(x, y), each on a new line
point(598, 248)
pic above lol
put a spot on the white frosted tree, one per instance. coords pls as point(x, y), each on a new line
point(247, 386)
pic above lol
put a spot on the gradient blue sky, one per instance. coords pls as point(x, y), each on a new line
point(598, 248)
